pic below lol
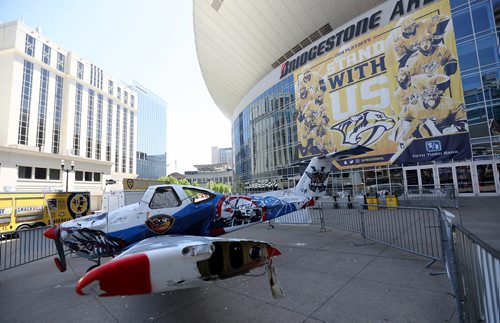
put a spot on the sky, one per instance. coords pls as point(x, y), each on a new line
point(150, 41)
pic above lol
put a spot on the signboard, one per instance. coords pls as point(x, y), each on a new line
point(139, 184)
point(395, 89)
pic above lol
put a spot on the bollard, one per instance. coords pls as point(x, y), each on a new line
point(335, 204)
point(349, 203)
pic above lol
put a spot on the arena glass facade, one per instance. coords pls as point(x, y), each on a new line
point(265, 132)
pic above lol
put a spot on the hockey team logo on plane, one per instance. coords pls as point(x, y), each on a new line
point(318, 178)
point(364, 128)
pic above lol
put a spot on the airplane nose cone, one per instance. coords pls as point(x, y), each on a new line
point(126, 276)
point(52, 233)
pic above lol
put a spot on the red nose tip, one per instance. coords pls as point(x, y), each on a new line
point(52, 233)
point(273, 252)
point(126, 276)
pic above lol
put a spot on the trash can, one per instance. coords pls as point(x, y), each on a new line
point(372, 202)
point(391, 200)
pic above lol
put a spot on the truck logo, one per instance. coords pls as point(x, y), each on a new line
point(78, 204)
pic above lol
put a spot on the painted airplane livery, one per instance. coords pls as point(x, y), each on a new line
point(170, 239)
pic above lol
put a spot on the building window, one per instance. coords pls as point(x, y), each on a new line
point(97, 177)
point(125, 97)
point(54, 174)
point(100, 79)
point(124, 140)
point(110, 87)
point(78, 176)
point(79, 72)
point(119, 92)
point(132, 100)
point(131, 145)
point(42, 108)
point(40, 173)
point(462, 19)
point(117, 142)
point(98, 128)
point(29, 46)
point(46, 54)
point(88, 176)
point(24, 117)
point(56, 133)
point(90, 124)
point(108, 130)
point(60, 62)
point(78, 119)
point(24, 172)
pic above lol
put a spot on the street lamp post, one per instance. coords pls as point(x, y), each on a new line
point(67, 170)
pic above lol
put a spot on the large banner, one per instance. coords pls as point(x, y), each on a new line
point(396, 89)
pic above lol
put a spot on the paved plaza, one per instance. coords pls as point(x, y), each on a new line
point(332, 276)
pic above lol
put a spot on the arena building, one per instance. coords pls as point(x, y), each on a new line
point(415, 80)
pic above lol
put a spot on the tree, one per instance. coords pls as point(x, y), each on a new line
point(220, 187)
point(183, 182)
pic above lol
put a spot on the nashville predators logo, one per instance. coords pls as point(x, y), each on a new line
point(318, 178)
point(78, 204)
point(364, 128)
point(159, 223)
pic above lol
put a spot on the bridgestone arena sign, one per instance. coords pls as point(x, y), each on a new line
point(389, 81)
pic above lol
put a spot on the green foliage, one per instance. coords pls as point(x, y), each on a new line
point(183, 182)
point(220, 187)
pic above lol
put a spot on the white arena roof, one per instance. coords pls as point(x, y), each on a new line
point(241, 41)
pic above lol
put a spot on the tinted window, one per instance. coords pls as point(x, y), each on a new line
point(462, 24)
point(24, 172)
point(97, 177)
point(491, 84)
point(78, 176)
point(482, 17)
point(467, 57)
point(456, 3)
point(40, 173)
point(54, 174)
point(472, 88)
point(487, 50)
point(88, 176)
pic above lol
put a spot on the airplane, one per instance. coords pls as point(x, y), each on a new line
point(170, 239)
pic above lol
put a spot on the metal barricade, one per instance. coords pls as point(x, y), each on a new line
point(475, 276)
point(412, 229)
point(21, 247)
point(446, 197)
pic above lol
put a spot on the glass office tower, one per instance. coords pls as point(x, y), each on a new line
point(265, 142)
point(151, 134)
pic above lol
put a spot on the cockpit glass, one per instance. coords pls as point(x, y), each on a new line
point(164, 197)
point(198, 196)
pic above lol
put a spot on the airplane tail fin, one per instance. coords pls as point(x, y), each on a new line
point(314, 180)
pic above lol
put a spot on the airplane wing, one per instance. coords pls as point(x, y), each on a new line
point(165, 263)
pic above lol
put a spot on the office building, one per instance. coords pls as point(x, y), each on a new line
point(151, 134)
point(55, 106)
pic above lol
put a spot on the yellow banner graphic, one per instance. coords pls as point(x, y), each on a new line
point(391, 90)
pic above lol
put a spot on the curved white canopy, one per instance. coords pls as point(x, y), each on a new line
point(238, 41)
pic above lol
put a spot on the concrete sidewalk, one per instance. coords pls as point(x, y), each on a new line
point(327, 277)
point(481, 216)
